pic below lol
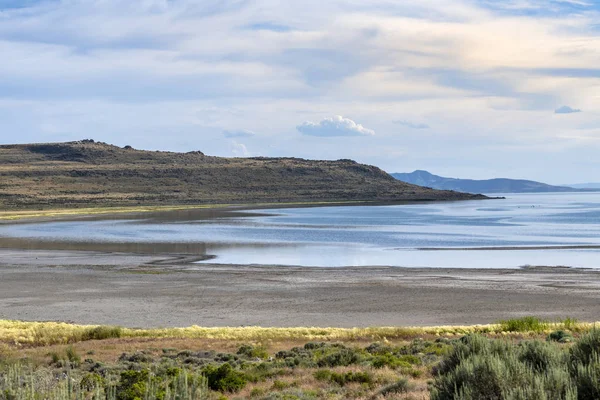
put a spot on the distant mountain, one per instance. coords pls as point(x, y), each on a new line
point(499, 185)
point(590, 185)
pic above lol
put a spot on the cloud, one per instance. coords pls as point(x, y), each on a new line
point(334, 126)
point(239, 149)
point(268, 26)
point(566, 110)
point(412, 125)
point(238, 133)
point(148, 69)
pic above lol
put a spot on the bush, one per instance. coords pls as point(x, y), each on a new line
point(91, 382)
point(253, 352)
point(340, 358)
point(102, 332)
point(560, 336)
point(225, 378)
point(390, 361)
point(587, 379)
point(72, 355)
point(343, 379)
point(402, 386)
point(586, 349)
point(525, 324)
point(378, 349)
point(479, 368)
point(133, 385)
point(541, 356)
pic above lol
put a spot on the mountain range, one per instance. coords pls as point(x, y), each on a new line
point(590, 185)
point(498, 185)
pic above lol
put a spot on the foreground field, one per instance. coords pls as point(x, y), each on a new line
point(515, 359)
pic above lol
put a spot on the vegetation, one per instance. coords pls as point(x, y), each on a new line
point(313, 371)
point(48, 333)
point(535, 360)
point(482, 368)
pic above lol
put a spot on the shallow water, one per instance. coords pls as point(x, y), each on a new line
point(399, 235)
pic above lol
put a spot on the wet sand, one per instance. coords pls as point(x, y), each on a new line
point(144, 290)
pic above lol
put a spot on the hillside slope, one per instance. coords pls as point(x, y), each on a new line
point(88, 173)
point(499, 185)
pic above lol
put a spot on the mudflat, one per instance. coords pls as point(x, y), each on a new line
point(137, 290)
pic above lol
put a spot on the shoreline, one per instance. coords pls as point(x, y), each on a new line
point(8, 216)
point(150, 291)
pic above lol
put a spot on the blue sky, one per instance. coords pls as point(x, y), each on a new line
point(463, 88)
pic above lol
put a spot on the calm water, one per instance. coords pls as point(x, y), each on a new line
point(402, 235)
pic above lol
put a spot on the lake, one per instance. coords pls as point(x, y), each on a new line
point(551, 229)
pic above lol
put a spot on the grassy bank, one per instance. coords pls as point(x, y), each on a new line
point(15, 215)
point(48, 333)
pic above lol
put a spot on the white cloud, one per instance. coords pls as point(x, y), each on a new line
point(412, 125)
point(239, 149)
point(480, 72)
point(334, 126)
point(238, 133)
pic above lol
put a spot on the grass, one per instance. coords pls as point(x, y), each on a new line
point(292, 373)
point(57, 361)
point(48, 333)
point(525, 324)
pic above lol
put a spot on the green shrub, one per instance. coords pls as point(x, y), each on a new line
point(139, 357)
point(102, 332)
point(225, 378)
point(541, 356)
point(390, 361)
point(464, 348)
point(560, 336)
point(253, 352)
point(586, 349)
point(378, 349)
point(401, 386)
point(570, 324)
point(91, 382)
point(479, 368)
point(281, 385)
point(587, 379)
point(133, 385)
point(340, 358)
point(525, 324)
point(322, 375)
point(343, 379)
point(55, 357)
point(72, 355)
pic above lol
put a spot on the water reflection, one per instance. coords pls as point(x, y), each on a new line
point(347, 235)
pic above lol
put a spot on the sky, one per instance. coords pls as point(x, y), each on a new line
point(462, 88)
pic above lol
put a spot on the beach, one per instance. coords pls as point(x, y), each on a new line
point(141, 290)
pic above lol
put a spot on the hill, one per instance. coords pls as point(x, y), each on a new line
point(87, 173)
point(499, 185)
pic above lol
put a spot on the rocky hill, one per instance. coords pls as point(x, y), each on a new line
point(87, 173)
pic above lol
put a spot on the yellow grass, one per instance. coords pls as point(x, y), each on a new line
point(70, 212)
point(47, 333)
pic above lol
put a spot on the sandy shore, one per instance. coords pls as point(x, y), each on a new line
point(154, 291)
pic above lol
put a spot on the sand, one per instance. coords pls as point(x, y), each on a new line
point(133, 290)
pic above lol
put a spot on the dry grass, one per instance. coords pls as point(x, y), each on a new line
point(22, 333)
